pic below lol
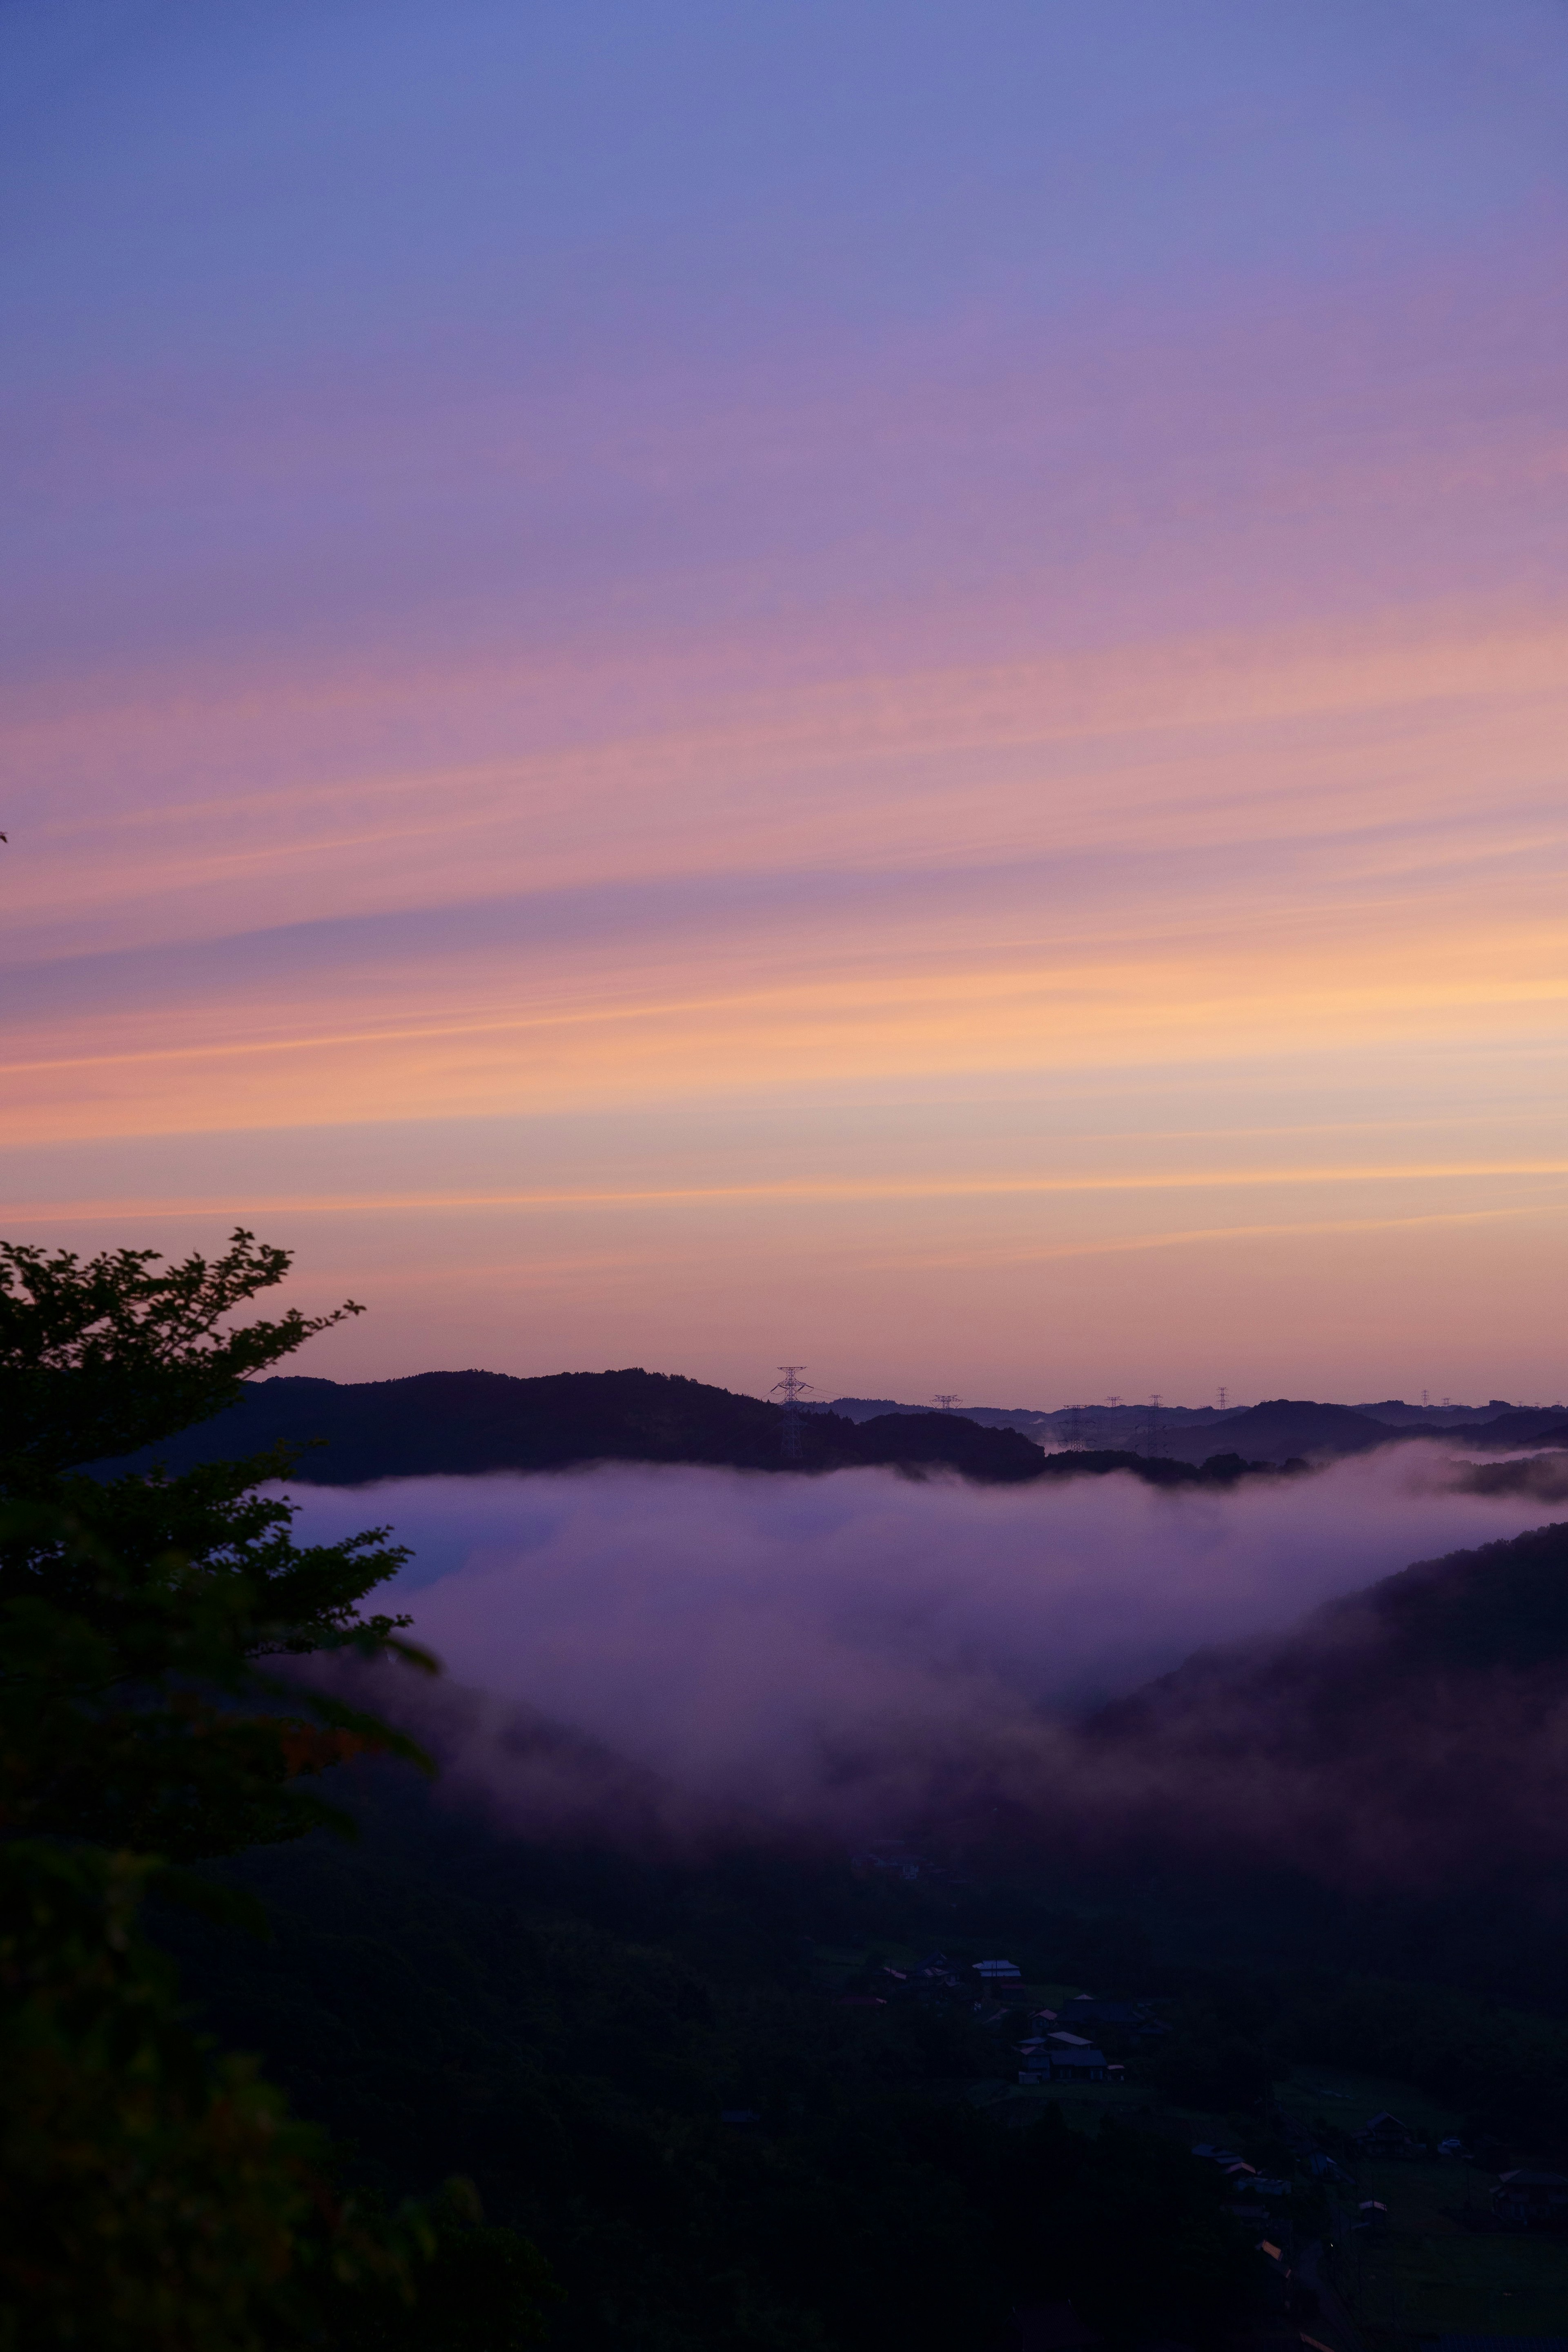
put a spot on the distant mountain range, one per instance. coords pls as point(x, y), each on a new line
point(463, 1423)
point(1273, 1432)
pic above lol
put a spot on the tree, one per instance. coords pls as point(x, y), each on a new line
point(152, 2193)
point(111, 1588)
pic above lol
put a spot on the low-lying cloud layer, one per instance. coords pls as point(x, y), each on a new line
point(694, 1650)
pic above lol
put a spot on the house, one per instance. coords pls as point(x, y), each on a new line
point(1372, 2213)
point(933, 1977)
point(1086, 2008)
point(1132, 2021)
point(1041, 2063)
point(1385, 2136)
point(1532, 2200)
point(1070, 2041)
point(1078, 2065)
point(996, 1976)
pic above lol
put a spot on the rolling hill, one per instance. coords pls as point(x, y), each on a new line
point(463, 1423)
point(1414, 1733)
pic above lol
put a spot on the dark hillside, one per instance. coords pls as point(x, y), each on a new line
point(1523, 1425)
point(726, 2101)
point(1414, 1735)
point(995, 1455)
point(461, 1423)
point(722, 2136)
point(1503, 1608)
point(1287, 1426)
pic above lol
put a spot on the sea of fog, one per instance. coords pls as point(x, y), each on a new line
point(832, 1651)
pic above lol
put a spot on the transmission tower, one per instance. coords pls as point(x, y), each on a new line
point(1221, 1398)
point(946, 1399)
point(792, 1388)
point(1154, 1431)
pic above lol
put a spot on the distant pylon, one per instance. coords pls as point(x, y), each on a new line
point(1221, 1393)
point(1154, 1431)
point(792, 1389)
point(947, 1398)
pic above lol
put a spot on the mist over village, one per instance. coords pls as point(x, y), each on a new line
point(784, 1177)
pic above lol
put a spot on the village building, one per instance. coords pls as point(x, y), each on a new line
point(1041, 2063)
point(1385, 2136)
point(1531, 2200)
point(1078, 2065)
point(996, 1976)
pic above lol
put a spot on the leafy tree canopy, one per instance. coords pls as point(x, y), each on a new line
point(156, 2196)
point(101, 1356)
point(135, 1612)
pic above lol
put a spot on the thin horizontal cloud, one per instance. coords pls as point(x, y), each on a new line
point(638, 717)
point(904, 1189)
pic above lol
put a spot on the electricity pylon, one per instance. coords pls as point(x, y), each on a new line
point(792, 1388)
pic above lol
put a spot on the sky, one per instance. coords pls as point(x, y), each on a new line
point(871, 685)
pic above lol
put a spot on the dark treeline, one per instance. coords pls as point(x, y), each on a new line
point(570, 2028)
point(468, 1423)
point(465, 1423)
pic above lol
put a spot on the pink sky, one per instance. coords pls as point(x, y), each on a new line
point(792, 694)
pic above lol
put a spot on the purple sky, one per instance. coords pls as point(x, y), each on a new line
point(875, 685)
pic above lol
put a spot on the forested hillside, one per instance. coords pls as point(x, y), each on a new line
point(461, 1423)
